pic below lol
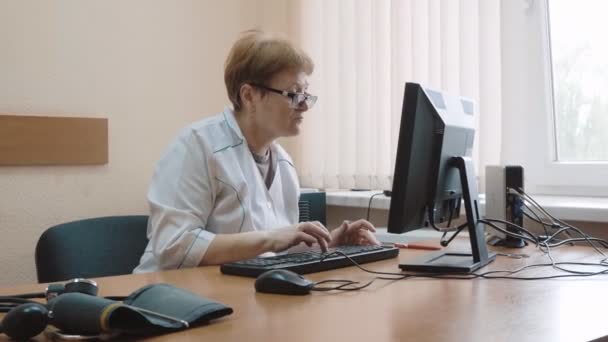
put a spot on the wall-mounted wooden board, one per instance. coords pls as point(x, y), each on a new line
point(49, 140)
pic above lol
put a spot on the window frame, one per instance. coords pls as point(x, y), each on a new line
point(529, 125)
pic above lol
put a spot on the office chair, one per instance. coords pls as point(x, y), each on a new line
point(89, 248)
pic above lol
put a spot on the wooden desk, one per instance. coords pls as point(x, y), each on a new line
point(406, 310)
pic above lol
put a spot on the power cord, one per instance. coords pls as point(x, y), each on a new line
point(487, 275)
point(453, 207)
point(552, 224)
point(369, 204)
point(431, 217)
point(544, 245)
point(565, 226)
point(537, 219)
point(445, 242)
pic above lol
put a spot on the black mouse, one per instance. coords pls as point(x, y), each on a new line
point(283, 282)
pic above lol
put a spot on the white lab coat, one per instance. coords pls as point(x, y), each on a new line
point(207, 183)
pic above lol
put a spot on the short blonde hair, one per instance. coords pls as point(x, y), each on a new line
point(256, 57)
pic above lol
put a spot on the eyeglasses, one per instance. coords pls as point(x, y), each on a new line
point(297, 99)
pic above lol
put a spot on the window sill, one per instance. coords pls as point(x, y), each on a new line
point(588, 209)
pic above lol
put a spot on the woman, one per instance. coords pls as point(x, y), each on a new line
point(225, 190)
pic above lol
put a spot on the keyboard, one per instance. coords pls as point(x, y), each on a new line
point(309, 261)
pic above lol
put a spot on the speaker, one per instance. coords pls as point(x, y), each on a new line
point(311, 207)
point(504, 203)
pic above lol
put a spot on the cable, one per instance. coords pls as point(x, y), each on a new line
point(454, 207)
point(538, 206)
point(6, 300)
point(343, 287)
point(604, 243)
point(545, 246)
point(431, 211)
point(548, 237)
point(511, 224)
point(485, 275)
point(356, 264)
point(466, 276)
point(537, 219)
point(530, 238)
point(547, 224)
point(346, 283)
point(335, 281)
point(551, 224)
point(559, 221)
point(445, 243)
point(451, 201)
point(369, 205)
point(31, 295)
point(7, 303)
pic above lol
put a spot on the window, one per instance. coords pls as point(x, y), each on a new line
point(554, 105)
point(580, 78)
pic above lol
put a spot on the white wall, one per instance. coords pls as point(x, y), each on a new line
point(149, 66)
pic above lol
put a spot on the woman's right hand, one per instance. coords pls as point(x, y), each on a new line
point(307, 232)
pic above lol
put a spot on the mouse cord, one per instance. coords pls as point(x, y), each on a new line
point(343, 287)
point(399, 275)
point(348, 285)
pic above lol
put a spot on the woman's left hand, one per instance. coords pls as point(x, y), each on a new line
point(360, 232)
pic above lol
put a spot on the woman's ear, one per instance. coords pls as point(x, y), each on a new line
point(247, 96)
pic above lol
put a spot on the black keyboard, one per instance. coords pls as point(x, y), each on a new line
point(310, 261)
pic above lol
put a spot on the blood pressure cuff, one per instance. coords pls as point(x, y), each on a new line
point(153, 309)
point(174, 302)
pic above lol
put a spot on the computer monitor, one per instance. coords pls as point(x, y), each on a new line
point(434, 173)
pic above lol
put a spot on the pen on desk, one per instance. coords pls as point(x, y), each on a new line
point(416, 246)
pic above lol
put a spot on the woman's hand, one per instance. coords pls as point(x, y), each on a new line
point(360, 232)
point(307, 232)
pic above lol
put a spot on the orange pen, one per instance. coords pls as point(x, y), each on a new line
point(416, 246)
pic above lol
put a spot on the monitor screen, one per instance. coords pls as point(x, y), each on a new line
point(434, 128)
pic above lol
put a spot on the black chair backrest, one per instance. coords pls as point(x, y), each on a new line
point(90, 248)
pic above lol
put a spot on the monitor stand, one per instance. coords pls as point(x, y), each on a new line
point(457, 262)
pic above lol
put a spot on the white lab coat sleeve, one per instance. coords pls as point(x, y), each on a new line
point(181, 199)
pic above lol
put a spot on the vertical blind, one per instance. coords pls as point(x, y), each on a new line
point(364, 52)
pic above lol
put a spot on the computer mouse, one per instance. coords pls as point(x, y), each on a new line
point(283, 282)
